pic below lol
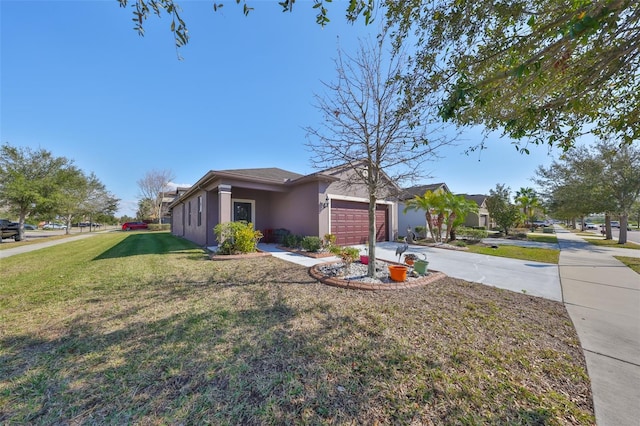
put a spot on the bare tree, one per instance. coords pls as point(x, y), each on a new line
point(153, 185)
point(372, 128)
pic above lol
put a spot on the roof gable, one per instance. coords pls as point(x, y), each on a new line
point(419, 190)
point(479, 199)
point(273, 174)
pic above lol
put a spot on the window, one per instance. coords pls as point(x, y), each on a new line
point(199, 210)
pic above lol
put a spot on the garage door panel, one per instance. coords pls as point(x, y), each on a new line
point(350, 222)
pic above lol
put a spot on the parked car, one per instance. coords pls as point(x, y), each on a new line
point(590, 225)
point(28, 227)
point(615, 224)
point(54, 226)
point(9, 229)
point(130, 226)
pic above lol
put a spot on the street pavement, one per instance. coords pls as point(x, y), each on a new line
point(601, 295)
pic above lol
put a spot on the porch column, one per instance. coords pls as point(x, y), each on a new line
point(224, 203)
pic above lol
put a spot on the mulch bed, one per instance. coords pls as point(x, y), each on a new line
point(239, 256)
point(356, 284)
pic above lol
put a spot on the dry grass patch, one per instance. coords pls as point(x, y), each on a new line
point(143, 329)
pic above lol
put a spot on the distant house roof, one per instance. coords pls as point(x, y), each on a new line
point(477, 198)
point(419, 190)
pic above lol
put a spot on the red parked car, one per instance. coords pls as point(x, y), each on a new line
point(128, 226)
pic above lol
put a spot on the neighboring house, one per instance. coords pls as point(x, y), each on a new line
point(481, 218)
point(169, 197)
point(413, 218)
point(272, 198)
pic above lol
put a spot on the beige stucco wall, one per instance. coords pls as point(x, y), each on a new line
point(298, 210)
point(193, 231)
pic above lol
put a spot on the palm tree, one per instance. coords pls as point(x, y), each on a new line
point(431, 202)
point(528, 201)
point(458, 207)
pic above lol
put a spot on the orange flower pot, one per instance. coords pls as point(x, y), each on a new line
point(398, 273)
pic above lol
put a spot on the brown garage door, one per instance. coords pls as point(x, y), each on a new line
point(350, 222)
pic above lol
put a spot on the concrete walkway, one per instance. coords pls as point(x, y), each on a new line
point(602, 297)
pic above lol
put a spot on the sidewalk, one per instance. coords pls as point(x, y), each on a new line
point(602, 297)
point(37, 246)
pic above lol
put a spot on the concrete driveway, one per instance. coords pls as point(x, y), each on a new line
point(533, 278)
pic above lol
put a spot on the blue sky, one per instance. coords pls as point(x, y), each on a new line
point(78, 81)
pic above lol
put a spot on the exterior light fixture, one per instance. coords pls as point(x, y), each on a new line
point(326, 203)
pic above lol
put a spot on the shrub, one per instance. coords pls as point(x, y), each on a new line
point(421, 231)
point(461, 244)
point(236, 237)
point(279, 235)
point(159, 227)
point(292, 241)
point(472, 234)
point(312, 244)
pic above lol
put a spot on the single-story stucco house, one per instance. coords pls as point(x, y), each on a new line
point(271, 198)
point(482, 218)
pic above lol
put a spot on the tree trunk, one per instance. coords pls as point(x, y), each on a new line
point(622, 233)
point(371, 270)
point(607, 223)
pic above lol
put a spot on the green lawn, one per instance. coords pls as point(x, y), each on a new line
point(516, 252)
point(631, 262)
point(141, 328)
point(542, 238)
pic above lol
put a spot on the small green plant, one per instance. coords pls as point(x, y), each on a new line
point(328, 241)
point(347, 254)
point(312, 244)
point(460, 243)
point(236, 237)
